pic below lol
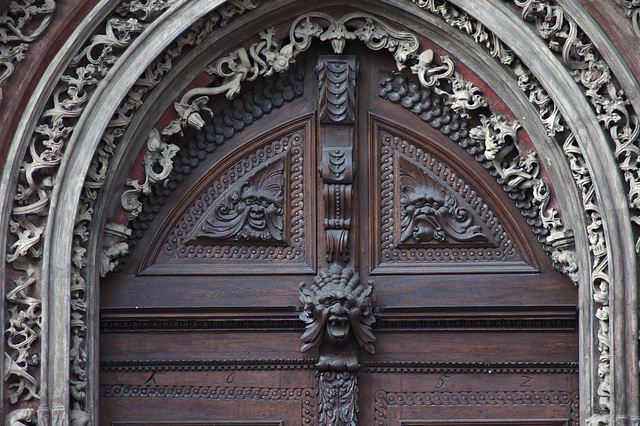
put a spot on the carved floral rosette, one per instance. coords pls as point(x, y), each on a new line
point(484, 237)
point(276, 171)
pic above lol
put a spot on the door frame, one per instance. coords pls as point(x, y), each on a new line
point(597, 213)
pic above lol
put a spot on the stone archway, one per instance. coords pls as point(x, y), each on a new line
point(55, 271)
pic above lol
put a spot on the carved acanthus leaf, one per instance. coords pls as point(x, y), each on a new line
point(337, 398)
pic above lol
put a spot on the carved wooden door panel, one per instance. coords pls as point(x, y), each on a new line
point(426, 298)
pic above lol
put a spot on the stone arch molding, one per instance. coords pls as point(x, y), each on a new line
point(88, 111)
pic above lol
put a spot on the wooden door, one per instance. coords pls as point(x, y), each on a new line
point(345, 163)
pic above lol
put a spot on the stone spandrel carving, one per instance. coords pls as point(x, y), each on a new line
point(252, 212)
point(271, 55)
point(429, 213)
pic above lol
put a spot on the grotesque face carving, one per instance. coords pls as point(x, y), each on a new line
point(337, 307)
point(254, 211)
point(428, 213)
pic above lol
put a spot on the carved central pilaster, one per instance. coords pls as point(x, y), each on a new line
point(337, 117)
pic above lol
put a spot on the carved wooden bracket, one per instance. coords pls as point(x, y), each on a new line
point(337, 117)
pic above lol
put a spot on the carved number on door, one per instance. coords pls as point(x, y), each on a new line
point(441, 380)
point(526, 382)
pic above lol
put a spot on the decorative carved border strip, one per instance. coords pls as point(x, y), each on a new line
point(471, 367)
point(385, 400)
point(125, 325)
point(304, 395)
point(209, 365)
point(367, 366)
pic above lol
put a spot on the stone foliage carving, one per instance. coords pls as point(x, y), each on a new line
point(492, 143)
point(21, 23)
point(113, 247)
point(157, 157)
point(25, 231)
point(269, 56)
point(617, 119)
point(337, 309)
point(253, 212)
point(264, 97)
point(87, 68)
point(429, 214)
point(620, 121)
point(21, 417)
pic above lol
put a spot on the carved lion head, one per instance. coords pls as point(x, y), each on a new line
point(337, 307)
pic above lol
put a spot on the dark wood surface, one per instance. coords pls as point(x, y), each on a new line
point(216, 340)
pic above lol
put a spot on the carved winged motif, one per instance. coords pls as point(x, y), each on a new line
point(428, 213)
point(336, 307)
point(252, 212)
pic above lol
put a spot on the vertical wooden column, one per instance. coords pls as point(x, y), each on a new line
point(336, 131)
point(337, 307)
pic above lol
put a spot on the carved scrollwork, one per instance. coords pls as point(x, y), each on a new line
point(429, 214)
point(270, 55)
point(254, 211)
point(21, 23)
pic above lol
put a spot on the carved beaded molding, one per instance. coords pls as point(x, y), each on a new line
point(77, 84)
